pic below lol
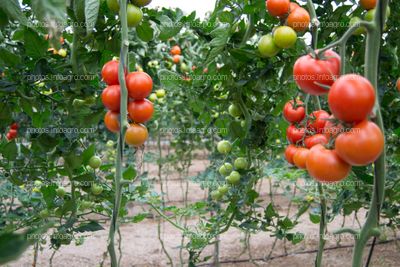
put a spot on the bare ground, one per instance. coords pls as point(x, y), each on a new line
point(141, 246)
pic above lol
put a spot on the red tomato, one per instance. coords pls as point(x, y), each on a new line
point(309, 72)
point(300, 157)
point(14, 126)
point(111, 120)
point(278, 8)
point(111, 97)
point(314, 140)
point(332, 128)
point(110, 72)
point(362, 145)
point(326, 166)
point(351, 98)
point(293, 6)
point(139, 85)
point(294, 114)
point(140, 110)
point(318, 120)
point(295, 135)
point(136, 135)
point(289, 153)
point(176, 59)
point(368, 4)
point(398, 84)
point(299, 19)
point(11, 134)
point(175, 50)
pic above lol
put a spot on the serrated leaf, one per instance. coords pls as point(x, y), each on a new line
point(129, 174)
point(91, 14)
point(13, 10)
point(145, 31)
point(168, 28)
point(35, 45)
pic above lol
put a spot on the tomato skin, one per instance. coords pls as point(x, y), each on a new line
point(134, 15)
point(278, 8)
point(308, 71)
point(293, 114)
point(326, 166)
point(294, 134)
point(362, 145)
point(314, 140)
point(267, 47)
point(284, 37)
point(12, 134)
point(293, 6)
point(139, 84)
point(332, 128)
point(136, 135)
point(141, 110)
point(113, 5)
point(318, 121)
point(175, 50)
point(141, 3)
point(398, 84)
point(111, 97)
point(111, 120)
point(299, 19)
point(289, 153)
point(300, 157)
point(351, 98)
point(14, 126)
point(176, 59)
point(368, 4)
point(109, 72)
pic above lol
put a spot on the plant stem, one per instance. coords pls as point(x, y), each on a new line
point(371, 73)
point(322, 226)
point(123, 122)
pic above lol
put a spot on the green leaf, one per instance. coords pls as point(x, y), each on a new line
point(315, 218)
point(91, 14)
point(129, 174)
point(139, 217)
point(13, 10)
point(48, 10)
point(88, 153)
point(226, 17)
point(89, 227)
point(9, 150)
point(168, 28)
point(35, 45)
point(270, 212)
point(145, 31)
point(12, 246)
point(9, 59)
point(169, 80)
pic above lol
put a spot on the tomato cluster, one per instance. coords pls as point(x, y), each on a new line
point(295, 19)
point(139, 85)
point(176, 54)
point(12, 132)
point(133, 11)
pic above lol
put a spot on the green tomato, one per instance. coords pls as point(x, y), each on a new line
point(234, 111)
point(141, 2)
point(153, 97)
point(267, 47)
point(225, 169)
point(233, 178)
point(78, 103)
point(284, 37)
point(113, 5)
point(44, 213)
point(224, 147)
point(216, 195)
point(90, 100)
point(223, 189)
point(184, 67)
point(95, 162)
point(160, 93)
point(135, 15)
point(96, 189)
point(86, 205)
point(62, 52)
point(243, 123)
point(37, 183)
point(241, 164)
point(370, 15)
point(60, 191)
point(110, 143)
point(354, 21)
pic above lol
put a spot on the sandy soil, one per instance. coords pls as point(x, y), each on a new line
point(141, 247)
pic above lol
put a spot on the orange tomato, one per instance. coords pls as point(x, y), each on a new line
point(111, 120)
point(176, 59)
point(278, 8)
point(136, 135)
point(300, 157)
point(175, 50)
point(368, 4)
point(299, 19)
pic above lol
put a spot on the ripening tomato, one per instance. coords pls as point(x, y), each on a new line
point(139, 84)
point(175, 50)
point(332, 128)
point(294, 113)
point(289, 153)
point(351, 98)
point(325, 165)
point(293, 6)
point(267, 47)
point(362, 145)
point(140, 110)
point(14, 126)
point(284, 37)
point(318, 120)
point(368, 4)
point(110, 72)
point(136, 135)
point(111, 97)
point(278, 8)
point(398, 84)
point(134, 15)
point(12, 134)
point(314, 140)
point(176, 59)
point(294, 134)
point(309, 72)
point(111, 120)
point(300, 157)
point(141, 2)
point(299, 19)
